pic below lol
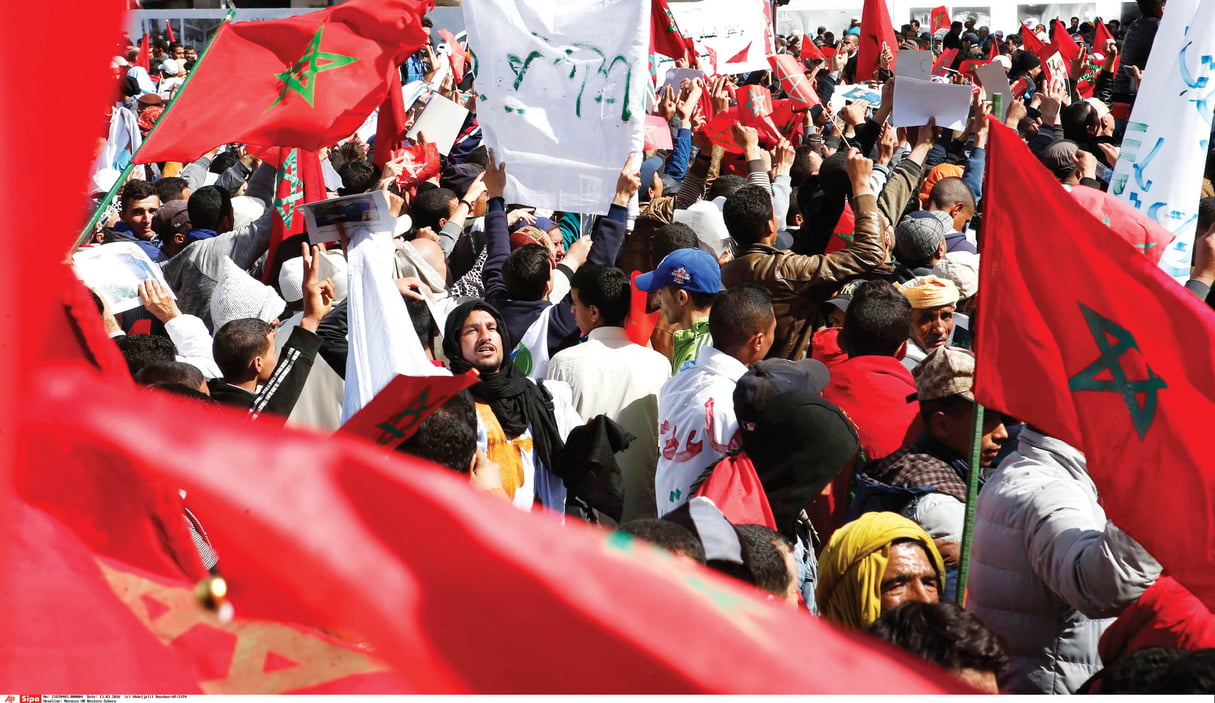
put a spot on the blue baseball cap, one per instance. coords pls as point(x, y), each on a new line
point(693, 270)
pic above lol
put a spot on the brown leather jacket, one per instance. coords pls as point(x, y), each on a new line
point(800, 284)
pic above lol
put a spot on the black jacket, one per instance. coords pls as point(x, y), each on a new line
point(280, 393)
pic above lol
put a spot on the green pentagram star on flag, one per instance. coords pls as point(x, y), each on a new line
point(301, 77)
point(1111, 360)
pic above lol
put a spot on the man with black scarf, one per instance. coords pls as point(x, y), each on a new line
point(521, 426)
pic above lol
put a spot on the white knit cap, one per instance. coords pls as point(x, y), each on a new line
point(291, 279)
point(238, 295)
point(961, 267)
point(332, 265)
point(707, 222)
point(245, 210)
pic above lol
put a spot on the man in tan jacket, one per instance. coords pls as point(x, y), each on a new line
point(799, 284)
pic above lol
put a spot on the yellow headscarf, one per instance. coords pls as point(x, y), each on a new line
point(852, 565)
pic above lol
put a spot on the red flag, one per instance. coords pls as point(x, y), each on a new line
point(810, 50)
point(421, 164)
point(640, 325)
point(1030, 41)
point(1097, 346)
point(299, 180)
point(876, 31)
point(712, 59)
point(828, 52)
point(792, 78)
point(993, 50)
point(657, 133)
point(742, 55)
point(736, 490)
point(390, 126)
point(1137, 229)
point(720, 130)
point(968, 67)
point(754, 102)
point(789, 117)
point(1064, 43)
point(1102, 36)
point(424, 611)
point(456, 55)
point(144, 58)
point(169, 30)
point(665, 37)
point(393, 415)
point(938, 18)
point(307, 81)
point(944, 61)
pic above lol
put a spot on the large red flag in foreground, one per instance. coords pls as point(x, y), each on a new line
point(1083, 336)
point(876, 30)
point(304, 82)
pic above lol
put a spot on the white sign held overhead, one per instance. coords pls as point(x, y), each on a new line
point(739, 31)
point(915, 64)
point(1159, 171)
point(916, 101)
point(561, 91)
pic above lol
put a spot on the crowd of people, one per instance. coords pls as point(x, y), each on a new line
point(794, 409)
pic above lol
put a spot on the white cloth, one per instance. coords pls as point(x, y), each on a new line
point(1159, 170)
point(696, 424)
point(382, 342)
point(531, 354)
point(612, 376)
point(563, 88)
point(1048, 573)
point(915, 354)
point(193, 343)
point(320, 403)
point(122, 141)
point(142, 79)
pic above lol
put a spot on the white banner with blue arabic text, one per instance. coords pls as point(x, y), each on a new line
point(561, 94)
point(1165, 147)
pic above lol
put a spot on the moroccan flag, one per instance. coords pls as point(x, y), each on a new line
point(789, 117)
point(421, 163)
point(754, 102)
point(938, 19)
point(395, 413)
point(665, 37)
point(810, 50)
point(299, 180)
point(169, 30)
point(1064, 42)
point(876, 31)
point(993, 49)
point(657, 133)
point(1086, 338)
point(720, 130)
point(307, 81)
point(792, 78)
point(1031, 42)
point(944, 61)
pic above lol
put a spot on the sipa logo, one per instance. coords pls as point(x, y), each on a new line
point(30, 699)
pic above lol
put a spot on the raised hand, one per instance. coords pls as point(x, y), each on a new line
point(627, 184)
point(318, 294)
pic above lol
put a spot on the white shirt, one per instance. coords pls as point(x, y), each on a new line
point(696, 424)
point(612, 376)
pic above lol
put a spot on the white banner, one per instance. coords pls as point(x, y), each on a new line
point(730, 28)
point(1164, 150)
point(561, 94)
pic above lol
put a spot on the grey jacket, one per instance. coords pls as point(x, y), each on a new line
point(192, 274)
point(1048, 572)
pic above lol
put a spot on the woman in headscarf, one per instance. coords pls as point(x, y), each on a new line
point(518, 423)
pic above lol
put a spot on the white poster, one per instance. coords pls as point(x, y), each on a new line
point(1159, 171)
point(735, 29)
point(561, 94)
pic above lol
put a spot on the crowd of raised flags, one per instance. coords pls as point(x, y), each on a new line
point(396, 361)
